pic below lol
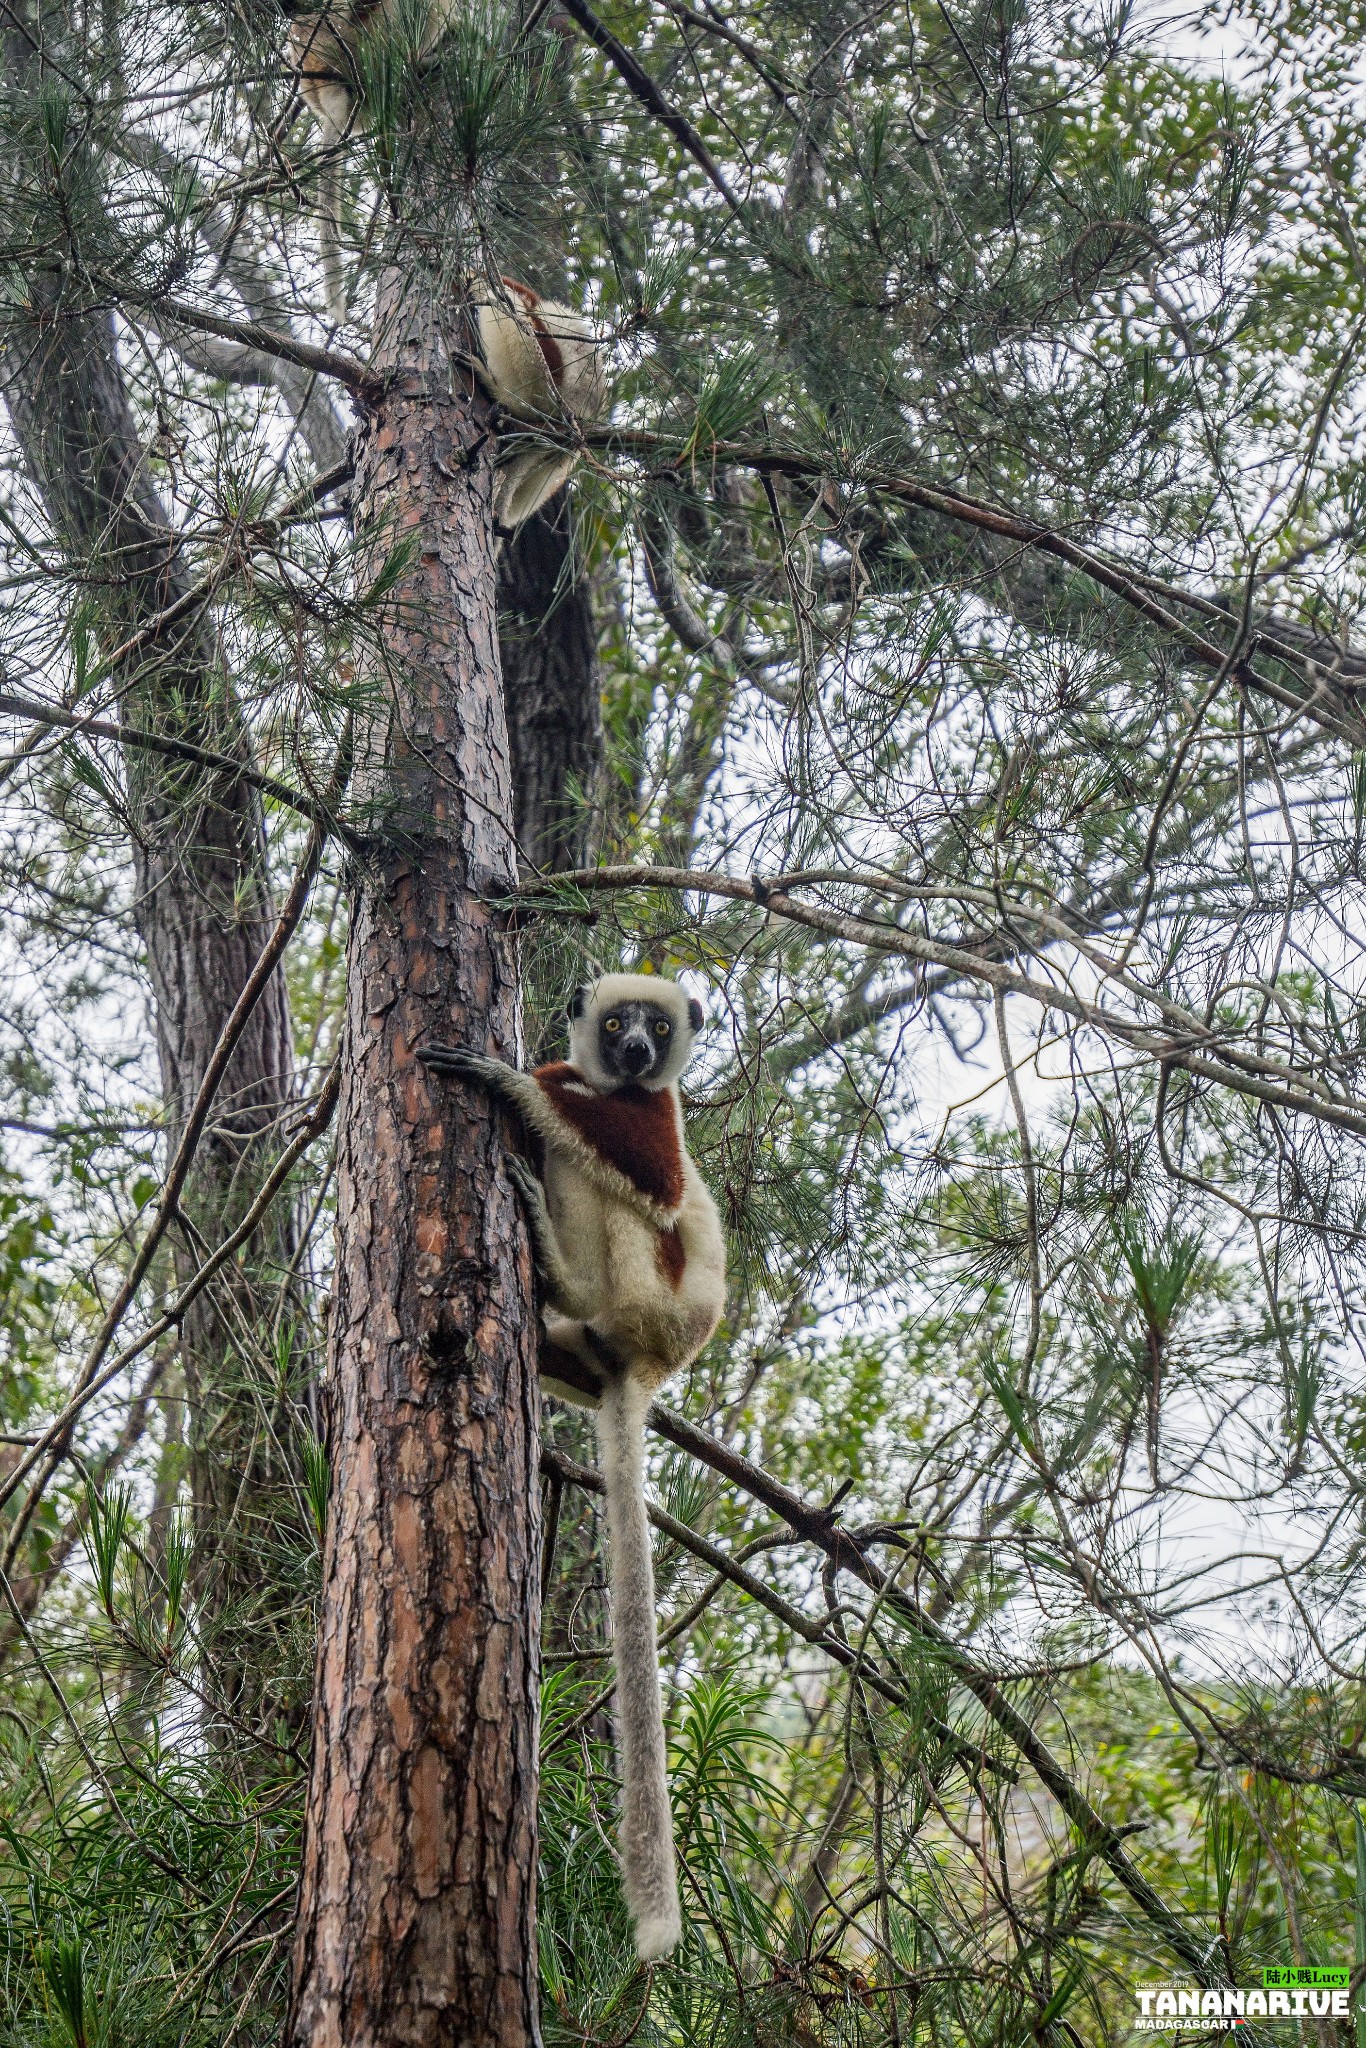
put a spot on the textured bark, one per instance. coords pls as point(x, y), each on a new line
point(550, 686)
point(202, 903)
point(417, 1909)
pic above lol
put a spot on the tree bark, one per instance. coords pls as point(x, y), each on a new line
point(550, 686)
point(417, 1910)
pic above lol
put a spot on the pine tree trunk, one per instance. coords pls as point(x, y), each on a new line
point(417, 1910)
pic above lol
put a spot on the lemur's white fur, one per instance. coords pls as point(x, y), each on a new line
point(540, 360)
point(607, 1228)
point(631, 1251)
point(648, 1875)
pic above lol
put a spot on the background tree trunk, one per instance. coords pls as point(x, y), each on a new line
point(550, 686)
point(203, 910)
point(417, 1912)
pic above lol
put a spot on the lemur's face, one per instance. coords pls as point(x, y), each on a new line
point(635, 1040)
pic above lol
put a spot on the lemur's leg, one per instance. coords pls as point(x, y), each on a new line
point(563, 1292)
point(609, 1361)
point(566, 1370)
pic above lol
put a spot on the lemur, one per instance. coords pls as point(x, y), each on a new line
point(539, 360)
point(629, 1244)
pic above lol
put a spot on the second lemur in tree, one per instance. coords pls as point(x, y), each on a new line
point(629, 1244)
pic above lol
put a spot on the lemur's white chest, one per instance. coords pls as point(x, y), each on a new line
point(634, 1219)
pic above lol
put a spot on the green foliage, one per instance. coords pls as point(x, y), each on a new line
point(1161, 1269)
point(317, 1480)
point(29, 1248)
point(113, 1944)
point(106, 1529)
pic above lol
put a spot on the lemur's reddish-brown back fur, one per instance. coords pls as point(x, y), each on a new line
point(633, 1129)
point(551, 353)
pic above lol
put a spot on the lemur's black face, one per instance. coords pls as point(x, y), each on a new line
point(634, 1041)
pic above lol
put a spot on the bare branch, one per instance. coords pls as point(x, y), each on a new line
point(1189, 1042)
point(177, 750)
point(821, 1527)
point(1324, 700)
point(325, 362)
point(650, 96)
point(309, 401)
point(29, 1592)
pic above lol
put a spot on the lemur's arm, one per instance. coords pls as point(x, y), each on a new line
point(496, 1076)
point(563, 1291)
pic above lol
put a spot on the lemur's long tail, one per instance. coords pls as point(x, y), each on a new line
point(331, 189)
point(647, 1843)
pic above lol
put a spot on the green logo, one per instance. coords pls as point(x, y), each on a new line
point(1307, 1977)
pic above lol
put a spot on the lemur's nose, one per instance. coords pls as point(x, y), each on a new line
point(636, 1055)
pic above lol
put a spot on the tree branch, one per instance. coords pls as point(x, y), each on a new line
point(177, 750)
point(820, 1527)
point(555, 1464)
point(1281, 641)
point(363, 384)
point(651, 98)
point(1188, 1042)
point(228, 361)
point(782, 89)
point(57, 1437)
point(29, 1592)
point(311, 404)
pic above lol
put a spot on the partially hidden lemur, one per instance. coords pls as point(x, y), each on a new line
point(539, 360)
point(629, 1243)
point(326, 46)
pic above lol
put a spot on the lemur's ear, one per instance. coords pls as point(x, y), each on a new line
point(695, 1017)
point(578, 1002)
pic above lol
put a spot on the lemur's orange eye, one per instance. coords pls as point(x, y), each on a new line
point(663, 1028)
point(614, 1023)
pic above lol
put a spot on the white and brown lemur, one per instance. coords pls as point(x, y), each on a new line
point(629, 1243)
point(541, 361)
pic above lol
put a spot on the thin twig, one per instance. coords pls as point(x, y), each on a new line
point(651, 98)
point(52, 715)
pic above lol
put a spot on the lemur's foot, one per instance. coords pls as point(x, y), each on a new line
point(460, 1060)
point(524, 1179)
point(612, 1364)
